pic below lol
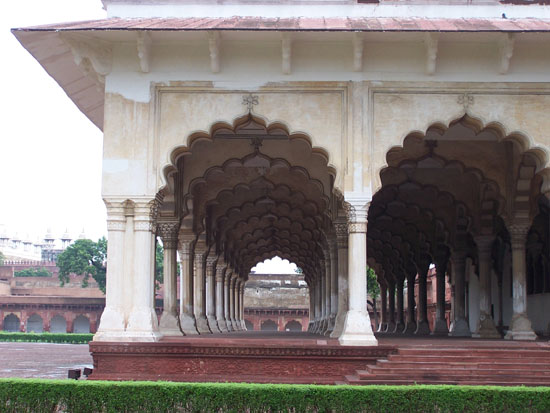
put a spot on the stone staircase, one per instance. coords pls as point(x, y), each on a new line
point(470, 365)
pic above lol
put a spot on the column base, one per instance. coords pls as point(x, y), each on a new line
point(142, 325)
point(460, 328)
point(486, 328)
point(234, 325)
point(440, 328)
point(168, 325)
point(222, 325)
point(338, 327)
point(390, 328)
point(243, 325)
point(357, 330)
point(112, 322)
point(399, 328)
point(382, 328)
point(202, 325)
point(422, 328)
point(213, 323)
point(520, 328)
point(188, 325)
point(410, 328)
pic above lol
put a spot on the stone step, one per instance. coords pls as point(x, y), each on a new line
point(503, 353)
point(473, 382)
point(472, 371)
point(483, 364)
point(431, 377)
point(469, 359)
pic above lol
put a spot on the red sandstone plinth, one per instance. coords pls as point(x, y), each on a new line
point(233, 358)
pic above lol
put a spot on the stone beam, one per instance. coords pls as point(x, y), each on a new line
point(214, 49)
point(358, 46)
point(144, 50)
point(286, 49)
point(431, 42)
point(506, 51)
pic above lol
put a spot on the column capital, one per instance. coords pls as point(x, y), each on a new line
point(116, 223)
point(168, 231)
point(357, 208)
point(484, 243)
point(341, 230)
point(518, 234)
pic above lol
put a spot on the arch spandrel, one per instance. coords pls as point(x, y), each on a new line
point(514, 118)
point(316, 115)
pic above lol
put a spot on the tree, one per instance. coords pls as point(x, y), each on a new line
point(373, 289)
point(33, 272)
point(2, 258)
point(159, 266)
point(84, 257)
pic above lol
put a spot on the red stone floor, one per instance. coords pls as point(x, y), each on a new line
point(42, 360)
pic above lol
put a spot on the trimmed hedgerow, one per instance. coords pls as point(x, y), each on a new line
point(71, 338)
point(23, 395)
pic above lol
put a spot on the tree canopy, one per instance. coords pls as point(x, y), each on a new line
point(373, 287)
point(84, 257)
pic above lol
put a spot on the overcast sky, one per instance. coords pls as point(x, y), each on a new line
point(50, 153)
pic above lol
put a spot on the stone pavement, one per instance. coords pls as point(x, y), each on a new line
point(42, 360)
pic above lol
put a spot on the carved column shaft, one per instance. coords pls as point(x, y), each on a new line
point(187, 292)
point(169, 234)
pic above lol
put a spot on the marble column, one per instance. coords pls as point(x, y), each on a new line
point(485, 324)
point(341, 229)
point(357, 326)
point(459, 326)
point(383, 327)
point(211, 261)
point(410, 326)
point(311, 290)
point(520, 327)
point(112, 323)
point(200, 287)
point(187, 314)
point(243, 325)
point(400, 322)
point(326, 316)
point(238, 305)
point(226, 299)
point(318, 311)
point(440, 326)
point(234, 302)
point(220, 320)
point(391, 306)
point(143, 321)
point(333, 284)
point(168, 325)
point(422, 326)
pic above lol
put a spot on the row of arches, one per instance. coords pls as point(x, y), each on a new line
point(35, 323)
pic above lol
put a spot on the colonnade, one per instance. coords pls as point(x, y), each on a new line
point(453, 265)
point(211, 290)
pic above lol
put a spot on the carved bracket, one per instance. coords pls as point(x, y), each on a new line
point(144, 50)
point(431, 42)
point(214, 48)
point(506, 50)
point(93, 57)
point(286, 44)
point(358, 46)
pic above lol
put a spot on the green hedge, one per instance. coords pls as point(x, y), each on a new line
point(70, 338)
point(23, 395)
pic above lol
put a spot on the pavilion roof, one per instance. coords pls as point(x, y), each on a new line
point(335, 24)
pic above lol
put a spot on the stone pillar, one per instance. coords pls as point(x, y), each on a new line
point(326, 297)
point(485, 325)
point(391, 306)
point(187, 313)
point(383, 327)
point(200, 287)
point(459, 326)
point(233, 302)
point(211, 293)
point(318, 311)
point(237, 304)
point(440, 326)
point(423, 326)
point(333, 284)
point(400, 322)
point(243, 325)
point(342, 246)
point(227, 298)
point(357, 326)
point(220, 319)
point(168, 325)
point(143, 321)
point(311, 290)
point(410, 327)
point(520, 327)
point(112, 320)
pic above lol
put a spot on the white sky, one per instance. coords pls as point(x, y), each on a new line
point(50, 153)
